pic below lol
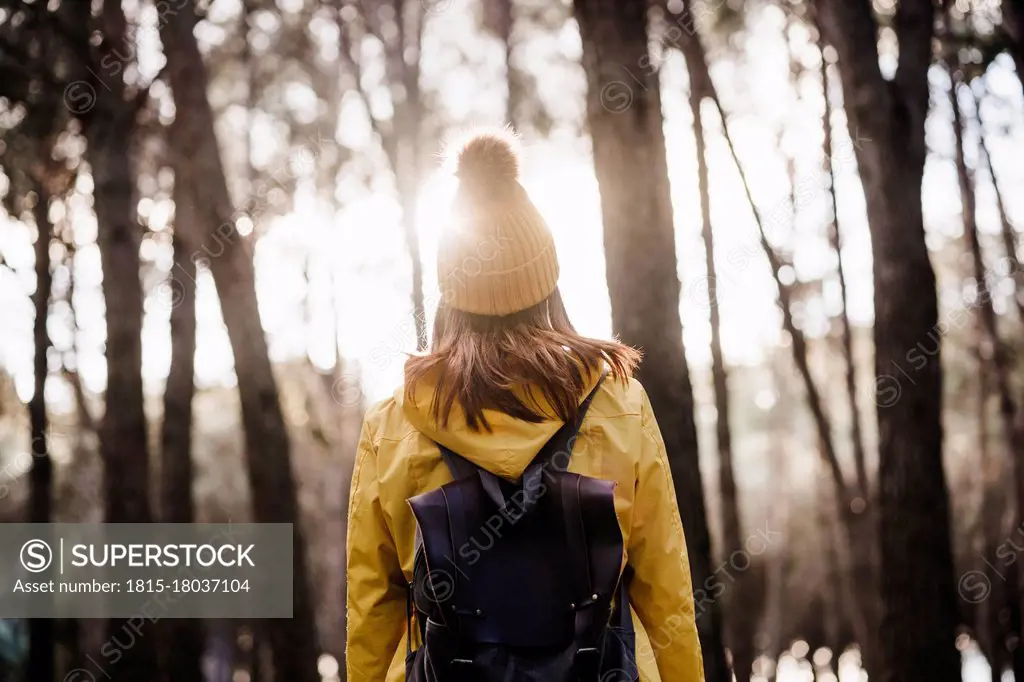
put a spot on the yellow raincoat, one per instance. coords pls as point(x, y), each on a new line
point(619, 441)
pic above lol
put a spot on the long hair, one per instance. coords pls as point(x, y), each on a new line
point(480, 359)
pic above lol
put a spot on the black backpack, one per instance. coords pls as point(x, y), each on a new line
point(517, 582)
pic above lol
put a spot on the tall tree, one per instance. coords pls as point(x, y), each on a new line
point(197, 160)
point(629, 156)
point(177, 500)
point(916, 563)
point(1013, 25)
point(108, 125)
point(399, 32)
point(990, 628)
point(500, 14)
point(835, 240)
point(41, 630)
point(1007, 231)
point(994, 351)
point(740, 628)
point(859, 578)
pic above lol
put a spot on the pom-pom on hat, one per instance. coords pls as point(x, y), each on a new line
point(499, 258)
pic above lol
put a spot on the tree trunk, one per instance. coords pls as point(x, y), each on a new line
point(505, 10)
point(740, 625)
point(123, 440)
point(856, 431)
point(858, 580)
point(410, 222)
point(989, 628)
point(625, 122)
point(994, 352)
point(41, 630)
point(1013, 21)
point(124, 449)
point(833, 601)
point(294, 642)
point(408, 163)
point(1009, 234)
point(184, 636)
point(917, 575)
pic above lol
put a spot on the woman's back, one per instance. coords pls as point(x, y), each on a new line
point(506, 370)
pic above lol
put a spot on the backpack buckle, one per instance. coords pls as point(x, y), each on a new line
point(586, 663)
point(461, 670)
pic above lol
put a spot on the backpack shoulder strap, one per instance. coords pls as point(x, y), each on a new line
point(565, 438)
point(562, 441)
point(459, 466)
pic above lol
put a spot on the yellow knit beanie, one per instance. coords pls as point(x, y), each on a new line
point(499, 257)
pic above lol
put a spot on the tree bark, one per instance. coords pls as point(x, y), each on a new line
point(989, 627)
point(994, 351)
point(124, 448)
point(184, 637)
point(625, 121)
point(917, 576)
point(42, 631)
point(858, 581)
point(1008, 233)
point(408, 162)
point(856, 431)
point(402, 139)
point(740, 625)
point(228, 254)
point(1013, 21)
point(513, 85)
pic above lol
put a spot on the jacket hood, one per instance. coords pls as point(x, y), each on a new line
point(506, 449)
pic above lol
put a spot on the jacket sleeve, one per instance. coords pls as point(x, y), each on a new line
point(376, 586)
point(661, 591)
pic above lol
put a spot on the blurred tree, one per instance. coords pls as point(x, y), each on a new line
point(993, 350)
point(108, 124)
point(836, 242)
point(41, 631)
point(1013, 25)
point(397, 27)
point(740, 626)
point(500, 18)
point(629, 156)
point(858, 584)
point(184, 636)
point(27, 149)
point(91, 78)
point(227, 253)
point(916, 568)
point(515, 23)
point(989, 628)
point(1008, 232)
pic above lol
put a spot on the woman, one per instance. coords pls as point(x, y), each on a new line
point(506, 370)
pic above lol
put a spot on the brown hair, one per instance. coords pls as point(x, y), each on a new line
point(481, 358)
